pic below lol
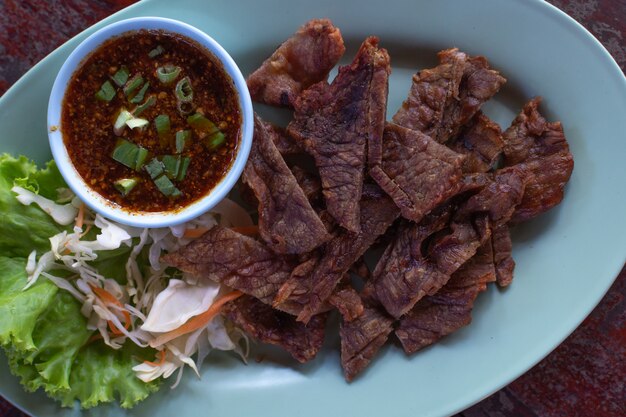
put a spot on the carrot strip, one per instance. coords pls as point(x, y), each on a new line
point(195, 233)
point(246, 230)
point(107, 297)
point(161, 359)
point(81, 216)
point(196, 322)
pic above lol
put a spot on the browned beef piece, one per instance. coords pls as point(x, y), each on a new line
point(417, 172)
point(347, 301)
point(271, 326)
point(438, 315)
point(301, 61)
point(287, 222)
point(540, 148)
point(334, 122)
point(340, 253)
point(362, 338)
point(284, 143)
point(445, 98)
point(360, 269)
point(481, 142)
point(310, 184)
point(237, 261)
point(502, 257)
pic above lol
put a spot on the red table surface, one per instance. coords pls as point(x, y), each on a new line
point(584, 376)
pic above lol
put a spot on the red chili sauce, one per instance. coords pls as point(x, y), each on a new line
point(146, 168)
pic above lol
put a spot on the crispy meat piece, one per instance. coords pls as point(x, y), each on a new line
point(334, 122)
point(340, 253)
point(283, 142)
point(502, 255)
point(540, 148)
point(302, 60)
point(481, 142)
point(271, 326)
point(287, 222)
point(417, 172)
point(445, 98)
point(438, 315)
point(347, 301)
point(310, 184)
point(361, 339)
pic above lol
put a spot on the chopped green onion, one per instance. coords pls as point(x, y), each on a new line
point(198, 121)
point(132, 85)
point(184, 108)
point(182, 171)
point(184, 90)
point(136, 122)
point(139, 96)
point(182, 137)
point(154, 168)
point(162, 123)
point(156, 51)
point(125, 185)
point(171, 164)
point(129, 154)
point(216, 140)
point(167, 73)
point(150, 101)
point(166, 186)
point(123, 116)
point(121, 76)
point(106, 93)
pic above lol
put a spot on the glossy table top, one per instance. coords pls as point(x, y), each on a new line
point(584, 376)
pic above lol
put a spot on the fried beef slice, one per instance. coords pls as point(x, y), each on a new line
point(481, 142)
point(417, 172)
point(540, 148)
point(271, 326)
point(310, 184)
point(438, 315)
point(283, 142)
point(362, 338)
point(424, 255)
point(335, 122)
point(502, 257)
point(302, 60)
point(445, 98)
point(347, 301)
point(287, 222)
point(339, 254)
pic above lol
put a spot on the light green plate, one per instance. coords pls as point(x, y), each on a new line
point(566, 260)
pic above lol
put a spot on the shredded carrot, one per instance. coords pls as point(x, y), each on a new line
point(81, 216)
point(95, 337)
point(195, 233)
point(161, 359)
point(196, 322)
point(246, 230)
point(109, 298)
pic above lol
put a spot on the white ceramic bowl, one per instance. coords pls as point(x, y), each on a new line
point(71, 175)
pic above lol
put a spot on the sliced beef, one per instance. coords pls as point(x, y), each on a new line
point(287, 222)
point(438, 315)
point(502, 256)
point(445, 98)
point(481, 142)
point(347, 301)
point(271, 326)
point(301, 61)
point(417, 172)
point(283, 142)
point(339, 254)
point(334, 123)
point(362, 338)
point(540, 148)
point(235, 260)
point(310, 184)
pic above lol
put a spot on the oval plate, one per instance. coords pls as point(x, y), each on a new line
point(566, 259)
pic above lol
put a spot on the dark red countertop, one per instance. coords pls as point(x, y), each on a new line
point(584, 376)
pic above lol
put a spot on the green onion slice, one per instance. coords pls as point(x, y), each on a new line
point(138, 98)
point(182, 171)
point(184, 90)
point(129, 154)
point(167, 73)
point(184, 108)
point(125, 185)
point(121, 76)
point(150, 101)
point(171, 164)
point(136, 122)
point(156, 51)
point(216, 140)
point(106, 93)
point(198, 121)
point(162, 124)
point(120, 122)
point(166, 186)
point(154, 168)
point(132, 85)
point(182, 137)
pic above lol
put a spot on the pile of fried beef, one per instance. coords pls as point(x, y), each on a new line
point(435, 189)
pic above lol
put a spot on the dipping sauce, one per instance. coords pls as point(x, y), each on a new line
point(151, 121)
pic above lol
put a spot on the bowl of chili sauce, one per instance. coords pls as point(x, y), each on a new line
point(150, 122)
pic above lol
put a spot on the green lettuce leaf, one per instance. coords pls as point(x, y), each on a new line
point(25, 228)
